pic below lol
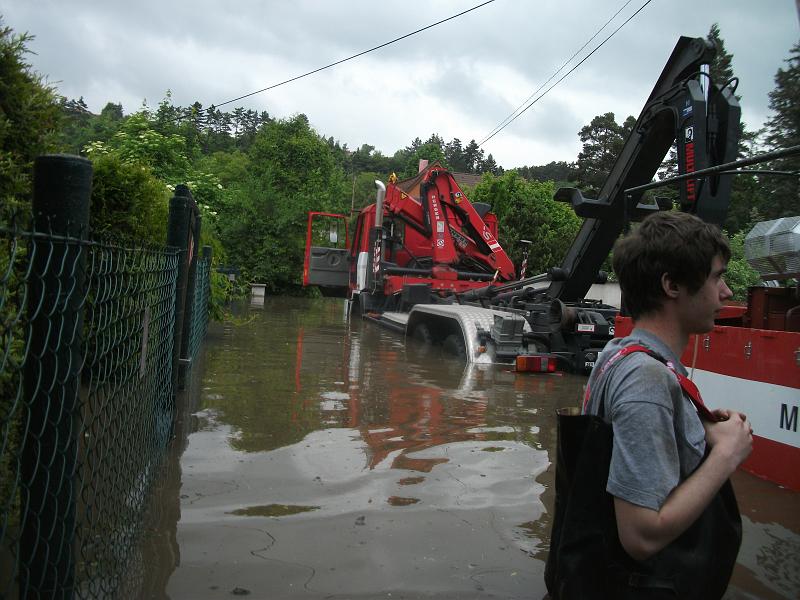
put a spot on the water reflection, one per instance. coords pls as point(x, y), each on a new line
point(330, 459)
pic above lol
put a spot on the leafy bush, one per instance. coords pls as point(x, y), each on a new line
point(740, 275)
point(526, 210)
point(128, 199)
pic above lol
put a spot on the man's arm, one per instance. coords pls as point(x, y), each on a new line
point(643, 531)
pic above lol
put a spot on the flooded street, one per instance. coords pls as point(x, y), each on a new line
point(324, 459)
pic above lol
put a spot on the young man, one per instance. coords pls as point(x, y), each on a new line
point(667, 465)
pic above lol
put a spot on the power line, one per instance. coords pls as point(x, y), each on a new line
point(338, 62)
point(543, 94)
point(569, 60)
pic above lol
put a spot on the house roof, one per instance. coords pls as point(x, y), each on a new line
point(466, 179)
point(411, 186)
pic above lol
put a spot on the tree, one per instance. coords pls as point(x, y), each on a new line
point(218, 130)
point(490, 166)
point(29, 117)
point(721, 68)
point(740, 275)
point(167, 116)
point(366, 158)
point(783, 131)
point(746, 193)
point(431, 151)
point(291, 158)
point(231, 168)
point(262, 221)
point(363, 189)
point(526, 210)
point(455, 157)
point(138, 142)
point(473, 156)
point(79, 126)
point(112, 112)
point(135, 170)
point(603, 140)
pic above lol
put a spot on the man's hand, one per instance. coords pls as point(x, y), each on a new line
point(731, 438)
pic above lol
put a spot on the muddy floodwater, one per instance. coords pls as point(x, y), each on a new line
point(321, 458)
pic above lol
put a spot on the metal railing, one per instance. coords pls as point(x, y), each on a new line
point(88, 355)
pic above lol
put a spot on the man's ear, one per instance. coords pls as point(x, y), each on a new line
point(668, 286)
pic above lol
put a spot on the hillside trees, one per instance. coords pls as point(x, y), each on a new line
point(557, 171)
point(367, 159)
point(80, 126)
point(452, 155)
point(254, 179)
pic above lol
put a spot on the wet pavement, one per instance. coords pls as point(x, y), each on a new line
point(320, 458)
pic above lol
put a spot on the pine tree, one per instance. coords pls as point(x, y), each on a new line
point(490, 166)
point(454, 156)
point(603, 140)
point(473, 156)
point(746, 195)
point(783, 131)
point(721, 68)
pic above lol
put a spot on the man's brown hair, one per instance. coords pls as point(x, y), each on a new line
point(675, 243)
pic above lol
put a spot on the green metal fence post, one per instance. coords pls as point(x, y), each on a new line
point(61, 190)
point(194, 234)
point(208, 255)
point(178, 237)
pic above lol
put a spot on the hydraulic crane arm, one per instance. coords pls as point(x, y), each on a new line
point(684, 106)
point(451, 223)
point(460, 222)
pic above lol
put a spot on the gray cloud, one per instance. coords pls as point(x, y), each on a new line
point(459, 79)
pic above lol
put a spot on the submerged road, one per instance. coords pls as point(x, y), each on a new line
point(320, 458)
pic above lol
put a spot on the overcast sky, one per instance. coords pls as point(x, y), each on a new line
point(459, 79)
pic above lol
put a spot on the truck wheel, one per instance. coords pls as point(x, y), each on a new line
point(454, 345)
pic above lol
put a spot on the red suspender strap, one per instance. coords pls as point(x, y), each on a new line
point(690, 389)
point(687, 385)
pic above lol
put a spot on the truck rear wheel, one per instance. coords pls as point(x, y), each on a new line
point(454, 345)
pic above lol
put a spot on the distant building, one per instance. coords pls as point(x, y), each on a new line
point(411, 186)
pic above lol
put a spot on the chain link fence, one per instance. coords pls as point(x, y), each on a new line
point(202, 293)
point(88, 354)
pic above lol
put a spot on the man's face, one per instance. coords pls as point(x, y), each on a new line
point(699, 310)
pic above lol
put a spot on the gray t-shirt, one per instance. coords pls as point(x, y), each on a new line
point(659, 439)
